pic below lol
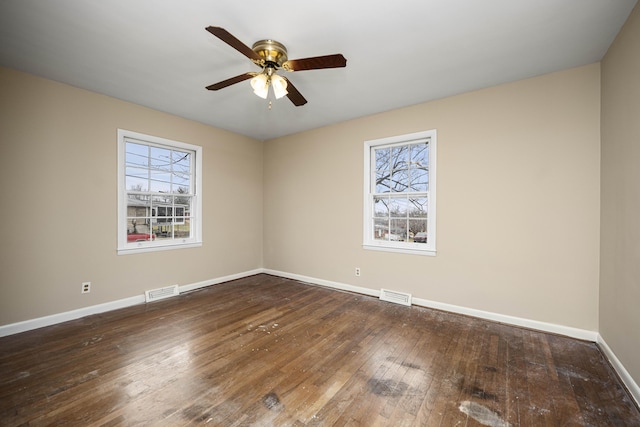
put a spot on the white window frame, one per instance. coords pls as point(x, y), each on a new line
point(369, 242)
point(125, 247)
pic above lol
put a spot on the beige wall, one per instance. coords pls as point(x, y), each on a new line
point(518, 201)
point(58, 174)
point(620, 250)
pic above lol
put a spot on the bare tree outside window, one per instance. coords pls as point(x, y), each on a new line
point(400, 172)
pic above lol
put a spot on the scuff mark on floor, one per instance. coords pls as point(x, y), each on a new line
point(480, 393)
point(386, 387)
point(272, 401)
point(482, 414)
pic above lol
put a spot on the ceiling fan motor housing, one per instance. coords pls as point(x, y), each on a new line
point(272, 52)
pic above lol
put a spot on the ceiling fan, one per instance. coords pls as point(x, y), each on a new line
point(271, 56)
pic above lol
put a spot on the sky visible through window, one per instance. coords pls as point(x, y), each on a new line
point(157, 169)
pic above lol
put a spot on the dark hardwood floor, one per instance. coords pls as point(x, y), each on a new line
point(268, 351)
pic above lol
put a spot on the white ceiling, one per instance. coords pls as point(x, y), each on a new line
point(157, 53)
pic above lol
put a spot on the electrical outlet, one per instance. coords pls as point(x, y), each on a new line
point(358, 271)
point(86, 287)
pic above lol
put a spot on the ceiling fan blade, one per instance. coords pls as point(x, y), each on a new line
point(316, 62)
point(293, 94)
point(231, 81)
point(232, 41)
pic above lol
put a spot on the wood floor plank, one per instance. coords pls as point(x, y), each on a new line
point(270, 351)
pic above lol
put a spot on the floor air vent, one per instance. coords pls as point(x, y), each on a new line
point(161, 293)
point(397, 297)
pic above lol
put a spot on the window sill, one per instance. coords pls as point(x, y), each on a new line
point(143, 248)
point(424, 252)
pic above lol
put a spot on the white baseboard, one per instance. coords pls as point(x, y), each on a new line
point(216, 281)
point(568, 331)
point(322, 282)
point(626, 378)
point(40, 322)
point(510, 320)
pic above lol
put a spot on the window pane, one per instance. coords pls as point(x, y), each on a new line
point(398, 207)
point(160, 158)
point(138, 231)
point(181, 162)
point(400, 157)
point(420, 155)
point(418, 207)
point(382, 159)
point(381, 207)
point(179, 217)
point(163, 230)
point(181, 184)
point(398, 231)
point(182, 229)
point(137, 155)
point(183, 204)
point(138, 212)
point(400, 181)
point(419, 180)
point(137, 172)
point(159, 209)
point(417, 226)
point(383, 183)
point(135, 182)
point(160, 182)
point(381, 229)
point(137, 205)
point(181, 172)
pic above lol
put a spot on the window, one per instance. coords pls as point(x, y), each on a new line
point(159, 187)
point(400, 197)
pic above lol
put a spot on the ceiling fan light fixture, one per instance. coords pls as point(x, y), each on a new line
point(259, 81)
point(279, 86)
point(262, 93)
point(260, 85)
